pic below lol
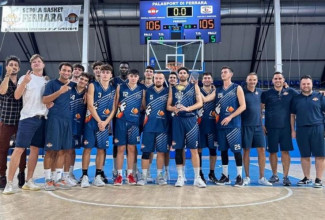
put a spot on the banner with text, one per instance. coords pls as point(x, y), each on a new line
point(40, 18)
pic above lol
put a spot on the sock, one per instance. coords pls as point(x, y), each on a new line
point(196, 172)
point(180, 171)
point(119, 172)
point(211, 171)
point(53, 175)
point(85, 172)
point(159, 171)
point(47, 174)
point(114, 164)
point(239, 170)
point(71, 169)
point(183, 170)
point(65, 175)
point(129, 172)
point(166, 168)
point(98, 172)
point(225, 170)
point(58, 174)
point(144, 173)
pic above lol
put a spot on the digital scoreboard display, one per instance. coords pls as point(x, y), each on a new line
point(167, 20)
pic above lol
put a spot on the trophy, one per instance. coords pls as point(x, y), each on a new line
point(179, 95)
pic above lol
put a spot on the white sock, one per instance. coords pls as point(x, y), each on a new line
point(159, 171)
point(47, 174)
point(144, 173)
point(239, 170)
point(225, 170)
point(58, 174)
point(53, 175)
point(196, 172)
point(180, 171)
point(71, 169)
point(119, 172)
point(65, 175)
point(129, 172)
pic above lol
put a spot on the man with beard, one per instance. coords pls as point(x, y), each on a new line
point(9, 118)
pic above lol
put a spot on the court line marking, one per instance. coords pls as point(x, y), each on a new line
point(290, 193)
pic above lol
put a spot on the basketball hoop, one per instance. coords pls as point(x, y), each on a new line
point(174, 66)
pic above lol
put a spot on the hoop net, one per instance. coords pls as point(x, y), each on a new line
point(174, 66)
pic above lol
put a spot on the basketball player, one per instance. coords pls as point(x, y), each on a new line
point(206, 121)
point(77, 70)
point(252, 130)
point(101, 109)
point(96, 69)
point(129, 96)
point(276, 102)
point(230, 103)
point(155, 128)
point(307, 109)
point(183, 99)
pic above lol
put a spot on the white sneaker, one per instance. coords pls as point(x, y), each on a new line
point(199, 182)
point(161, 180)
point(70, 181)
point(98, 181)
point(142, 182)
point(9, 189)
point(264, 181)
point(247, 181)
point(149, 177)
point(30, 185)
point(73, 178)
point(84, 182)
point(179, 182)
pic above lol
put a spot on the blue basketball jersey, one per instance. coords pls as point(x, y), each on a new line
point(129, 103)
point(118, 81)
point(185, 98)
point(103, 102)
point(206, 114)
point(227, 103)
point(156, 119)
point(78, 110)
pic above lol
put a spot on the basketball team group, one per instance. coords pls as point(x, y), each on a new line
point(160, 113)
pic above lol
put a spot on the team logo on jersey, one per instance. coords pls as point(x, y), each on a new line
point(120, 110)
point(256, 93)
point(151, 97)
point(106, 111)
point(135, 111)
point(160, 113)
point(220, 95)
point(88, 116)
point(86, 142)
point(212, 114)
point(230, 109)
point(315, 99)
point(72, 97)
point(49, 145)
point(77, 116)
point(285, 93)
point(125, 94)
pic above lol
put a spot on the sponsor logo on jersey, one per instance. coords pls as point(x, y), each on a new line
point(315, 99)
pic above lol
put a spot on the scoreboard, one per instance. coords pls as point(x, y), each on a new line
point(180, 19)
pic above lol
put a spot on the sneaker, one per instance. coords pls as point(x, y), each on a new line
point(73, 178)
point(213, 178)
point(224, 180)
point(274, 179)
point(21, 179)
point(318, 183)
point(263, 181)
point(104, 178)
point(9, 189)
point(247, 181)
point(71, 182)
point(49, 185)
point(61, 184)
point(180, 181)
point(149, 177)
point(304, 182)
point(84, 182)
point(3, 182)
point(98, 181)
point(142, 182)
point(114, 174)
point(30, 185)
point(286, 181)
point(199, 183)
point(130, 179)
point(161, 180)
point(239, 181)
point(118, 181)
point(202, 177)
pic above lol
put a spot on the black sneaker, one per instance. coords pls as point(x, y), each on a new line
point(223, 180)
point(3, 182)
point(202, 177)
point(213, 178)
point(305, 181)
point(239, 181)
point(286, 181)
point(21, 179)
point(318, 183)
point(104, 178)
